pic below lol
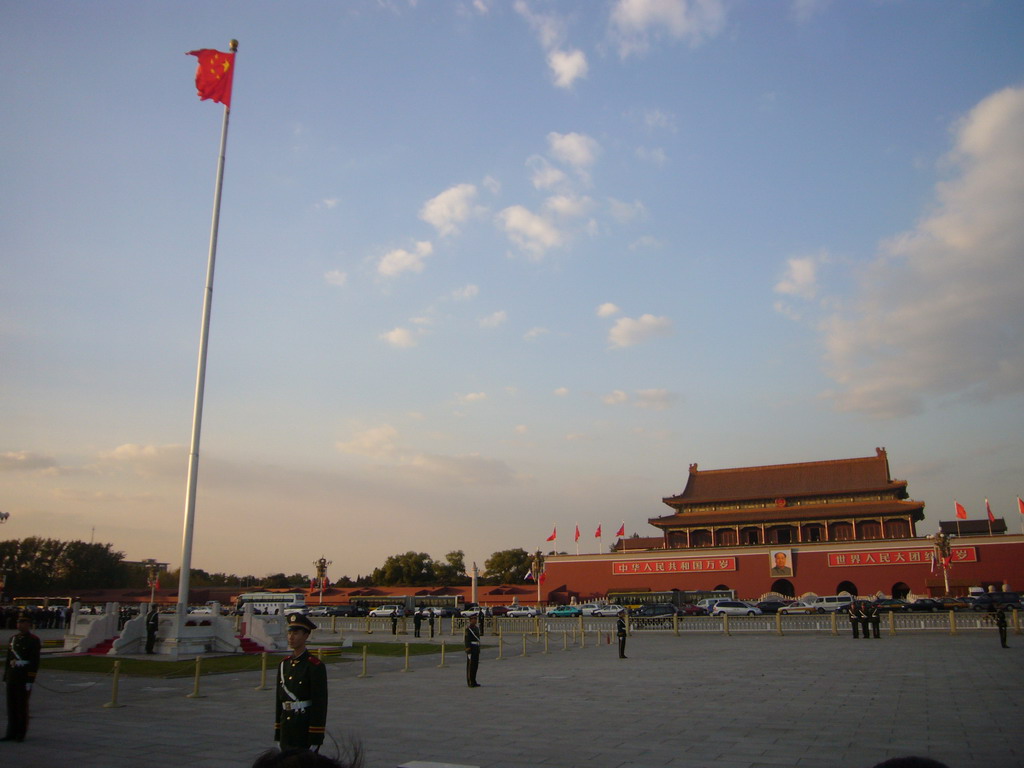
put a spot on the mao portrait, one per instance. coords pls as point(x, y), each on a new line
point(782, 562)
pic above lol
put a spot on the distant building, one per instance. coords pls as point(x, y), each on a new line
point(824, 527)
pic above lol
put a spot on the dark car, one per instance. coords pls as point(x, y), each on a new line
point(689, 609)
point(925, 604)
point(771, 606)
point(990, 601)
point(655, 611)
point(346, 610)
point(892, 606)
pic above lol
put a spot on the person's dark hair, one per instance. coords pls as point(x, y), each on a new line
point(303, 758)
point(911, 762)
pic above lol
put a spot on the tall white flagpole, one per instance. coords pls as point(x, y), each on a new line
point(197, 411)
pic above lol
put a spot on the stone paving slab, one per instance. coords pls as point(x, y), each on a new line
point(751, 701)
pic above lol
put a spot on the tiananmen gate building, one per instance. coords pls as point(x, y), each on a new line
point(823, 527)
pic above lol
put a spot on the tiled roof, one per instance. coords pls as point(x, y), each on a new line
point(773, 515)
point(815, 478)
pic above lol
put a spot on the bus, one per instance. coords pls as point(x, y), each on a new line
point(635, 598)
point(273, 602)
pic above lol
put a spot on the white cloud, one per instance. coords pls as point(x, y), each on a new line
point(615, 397)
point(535, 333)
point(534, 234)
point(569, 206)
point(466, 292)
point(629, 331)
point(543, 175)
point(449, 209)
point(561, 391)
point(521, 429)
point(375, 443)
point(653, 155)
point(607, 310)
point(328, 203)
point(494, 319)
point(624, 212)
point(336, 277)
point(400, 260)
point(399, 337)
point(636, 23)
point(567, 66)
point(938, 312)
point(801, 278)
point(25, 461)
point(659, 119)
point(473, 397)
point(654, 399)
point(573, 149)
point(492, 185)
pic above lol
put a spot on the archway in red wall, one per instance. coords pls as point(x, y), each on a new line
point(722, 587)
point(784, 587)
point(846, 586)
point(900, 590)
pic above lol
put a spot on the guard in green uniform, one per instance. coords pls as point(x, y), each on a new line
point(301, 714)
point(471, 640)
point(20, 670)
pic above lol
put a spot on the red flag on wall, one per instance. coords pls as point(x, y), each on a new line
point(1020, 505)
point(554, 534)
point(577, 532)
point(960, 511)
point(597, 533)
point(622, 529)
point(214, 75)
point(991, 517)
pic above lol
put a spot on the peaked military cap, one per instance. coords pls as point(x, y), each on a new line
point(298, 621)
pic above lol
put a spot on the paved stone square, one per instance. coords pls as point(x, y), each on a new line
point(743, 701)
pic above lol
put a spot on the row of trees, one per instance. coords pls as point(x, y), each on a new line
point(36, 564)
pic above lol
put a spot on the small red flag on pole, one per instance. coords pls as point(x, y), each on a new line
point(554, 534)
point(991, 517)
point(214, 75)
point(961, 513)
point(622, 529)
point(577, 532)
point(597, 533)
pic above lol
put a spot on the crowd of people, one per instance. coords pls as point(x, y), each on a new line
point(54, 617)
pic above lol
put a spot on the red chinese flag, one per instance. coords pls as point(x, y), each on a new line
point(543, 577)
point(621, 531)
point(554, 534)
point(960, 511)
point(991, 517)
point(214, 75)
point(577, 533)
point(597, 534)
point(1020, 505)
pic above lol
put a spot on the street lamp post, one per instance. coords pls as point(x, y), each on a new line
point(321, 574)
point(943, 547)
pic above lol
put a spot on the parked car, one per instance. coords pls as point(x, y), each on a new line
point(655, 611)
point(798, 606)
point(771, 606)
point(689, 609)
point(955, 603)
point(735, 608)
point(347, 610)
point(708, 603)
point(925, 604)
point(564, 610)
point(990, 601)
point(388, 611)
point(588, 609)
point(833, 603)
point(608, 610)
point(521, 611)
point(891, 605)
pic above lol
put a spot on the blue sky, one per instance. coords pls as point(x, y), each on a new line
point(489, 267)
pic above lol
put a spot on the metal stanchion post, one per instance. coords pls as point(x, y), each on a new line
point(442, 664)
point(112, 704)
point(363, 673)
point(501, 647)
point(524, 644)
point(195, 688)
point(834, 623)
point(263, 672)
point(1016, 621)
point(583, 635)
point(406, 669)
point(546, 633)
point(725, 623)
point(892, 623)
point(675, 624)
point(952, 623)
point(778, 624)
point(565, 640)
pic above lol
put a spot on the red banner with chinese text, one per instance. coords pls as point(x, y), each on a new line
point(686, 565)
point(899, 557)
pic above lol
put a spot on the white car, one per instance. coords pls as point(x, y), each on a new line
point(799, 606)
point(735, 608)
point(522, 610)
point(608, 610)
point(589, 609)
point(388, 611)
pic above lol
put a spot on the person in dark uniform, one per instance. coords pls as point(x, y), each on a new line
point(874, 619)
point(394, 623)
point(417, 622)
point(854, 613)
point(20, 669)
point(301, 713)
point(1001, 625)
point(472, 642)
point(430, 622)
point(862, 612)
point(152, 625)
point(620, 632)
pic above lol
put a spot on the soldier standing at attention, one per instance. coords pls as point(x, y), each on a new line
point(865, 620)
point(472, 642)
point(1001, 625)
point(854, 614)
point(152, 625)
point(620, 631)
point(301, 713)
point(875, 619)
point(417, 622)
point(20, 670)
